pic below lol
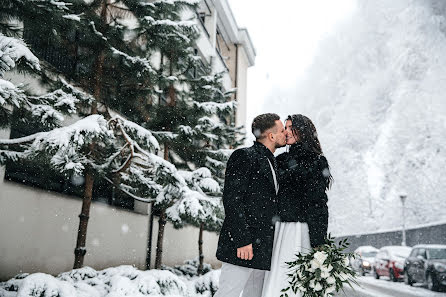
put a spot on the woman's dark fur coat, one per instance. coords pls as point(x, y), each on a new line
point(304, 177)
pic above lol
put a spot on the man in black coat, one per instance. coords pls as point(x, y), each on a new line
point(250, 201)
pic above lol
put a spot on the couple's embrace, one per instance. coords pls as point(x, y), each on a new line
point(274, 207)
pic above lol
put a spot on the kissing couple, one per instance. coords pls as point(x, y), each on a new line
point(274, 207)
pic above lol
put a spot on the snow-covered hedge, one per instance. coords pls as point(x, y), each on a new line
point(111, 282)
point(189, 269)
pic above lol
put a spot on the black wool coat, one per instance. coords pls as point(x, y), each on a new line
point(250, 203)
point(304, 177)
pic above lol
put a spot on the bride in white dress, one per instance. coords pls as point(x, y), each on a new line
point(304, 178)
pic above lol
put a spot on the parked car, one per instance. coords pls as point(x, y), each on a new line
point(389, 261)
point(365, 257)
point(426, 264)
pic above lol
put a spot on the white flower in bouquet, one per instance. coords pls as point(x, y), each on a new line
point(331, 280)
point(325, 273)
point(330, 289)
point(326, 269)
point(321, 272)
point(312, 284)
point(346, 261)
point(320, 257)
point(309, 268)
point(315, 264)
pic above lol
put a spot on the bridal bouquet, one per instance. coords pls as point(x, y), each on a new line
point(322, 272)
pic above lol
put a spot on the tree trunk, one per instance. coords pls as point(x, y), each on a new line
point(200, 250)
point(162, 216)
point(149, 239)
point(97, 89)
point(171, 92)
point(159, 243)
point(80, 250)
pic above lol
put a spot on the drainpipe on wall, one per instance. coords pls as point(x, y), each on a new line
point(236, 78)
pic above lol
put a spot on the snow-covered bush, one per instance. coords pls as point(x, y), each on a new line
point(207, 284)
point(189, 269)
point(86, 282)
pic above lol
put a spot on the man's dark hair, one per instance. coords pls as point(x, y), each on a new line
point(263, 122)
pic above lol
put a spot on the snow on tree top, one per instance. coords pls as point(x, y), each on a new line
point(134, 60)
point(173, 2)
point(65, 143)
point(74, 17)
point(167, 22)
point(214, 107)
point(141, 133)
point(12, 50)
point(5, 85)
point(202, 172)
point(209, 185)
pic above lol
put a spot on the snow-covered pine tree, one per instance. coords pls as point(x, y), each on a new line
point(16, 104)
point(102, 144)
point(165, 36)
point(189, 111)
point(200, 206)
point(212, 122)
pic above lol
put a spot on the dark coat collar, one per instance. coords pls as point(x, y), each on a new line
point(260, 147)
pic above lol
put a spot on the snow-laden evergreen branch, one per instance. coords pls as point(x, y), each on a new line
point(12, 50)
point(135, 60)
point(66, 145)
point(215, 107)
point(121, 188)
point(195, 206)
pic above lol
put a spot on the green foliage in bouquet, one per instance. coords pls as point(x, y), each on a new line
point(322, 271)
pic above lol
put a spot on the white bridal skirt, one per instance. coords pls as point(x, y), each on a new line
point(289, 239)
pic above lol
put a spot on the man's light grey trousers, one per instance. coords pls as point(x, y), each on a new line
point(237, 279)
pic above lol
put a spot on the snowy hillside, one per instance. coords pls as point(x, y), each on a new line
point(377, 94)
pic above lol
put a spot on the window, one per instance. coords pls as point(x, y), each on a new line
point(43, 44)
point(436, 253)
point(422, 253)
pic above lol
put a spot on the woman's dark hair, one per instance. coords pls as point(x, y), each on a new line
point(263, 122)
point(304, 128)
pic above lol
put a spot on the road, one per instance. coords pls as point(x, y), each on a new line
point(370, 287)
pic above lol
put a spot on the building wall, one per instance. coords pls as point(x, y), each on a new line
point(182, 244)
point(39, 230)
point(242, 87)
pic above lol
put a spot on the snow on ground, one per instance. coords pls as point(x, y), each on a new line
point(114, 282)
point(384, 287)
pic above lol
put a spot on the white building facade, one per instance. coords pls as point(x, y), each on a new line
point(39, 227)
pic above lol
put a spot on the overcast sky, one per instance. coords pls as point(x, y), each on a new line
point(285, 34)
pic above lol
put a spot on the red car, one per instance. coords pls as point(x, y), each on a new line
point(389, 261)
